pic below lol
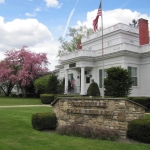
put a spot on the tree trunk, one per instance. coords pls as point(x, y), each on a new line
point(8, 90)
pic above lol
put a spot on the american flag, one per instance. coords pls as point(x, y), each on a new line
point(72, 82)
point(95, 21)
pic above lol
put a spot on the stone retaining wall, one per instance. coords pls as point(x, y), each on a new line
point(102, 113)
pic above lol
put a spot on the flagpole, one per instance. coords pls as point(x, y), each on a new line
point(102, 53)
point(95, 25)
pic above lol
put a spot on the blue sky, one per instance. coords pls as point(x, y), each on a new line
point(39, 23)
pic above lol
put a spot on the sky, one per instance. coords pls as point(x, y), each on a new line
point(39, 24)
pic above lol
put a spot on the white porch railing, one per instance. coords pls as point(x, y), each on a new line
point(111, 29)
point(108, 50)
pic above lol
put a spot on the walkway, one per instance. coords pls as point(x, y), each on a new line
point(14, 106)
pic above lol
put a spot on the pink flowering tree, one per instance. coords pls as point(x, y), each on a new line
point(21, 67)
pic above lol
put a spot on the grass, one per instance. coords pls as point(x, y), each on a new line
point(7, 101)
point(16, 133)
point(147, 116)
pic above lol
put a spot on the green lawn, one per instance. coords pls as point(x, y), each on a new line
point(7, 101)
point(16, 133)
point(147, 116)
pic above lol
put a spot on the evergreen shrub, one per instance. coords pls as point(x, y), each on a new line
point(47, 98)
point(145, 101)
point(44, 121)
point(64, 95)
point(118, 82)
point(93, 89)
point(139, 130)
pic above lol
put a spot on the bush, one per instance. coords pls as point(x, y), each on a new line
point(64, 95)
point(41, 84)
point(47, 84)
point(53, 83)
point(47, 98)
point(145, 101)
point(118, 82)
point(44, 121)
point(88, 132)
point(139, 130)
point(93, 89)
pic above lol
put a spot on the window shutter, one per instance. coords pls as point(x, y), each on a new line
point(100, 78)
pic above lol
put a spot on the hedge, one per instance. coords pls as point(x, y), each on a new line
point(145, 101)
point(44, 121)
point(47, 98)
point(139, 130)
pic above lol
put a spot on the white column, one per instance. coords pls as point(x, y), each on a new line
point(66, 81)
point(82, 81)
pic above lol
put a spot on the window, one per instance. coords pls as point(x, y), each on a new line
point(133, 74)
point(70, 76)
point(109, 43)
point(87, 79)
point(100, 77)
point(88, 73)
point(72, 65)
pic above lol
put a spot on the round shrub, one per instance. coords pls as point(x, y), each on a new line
point(47, 98)
point(44, 121)
point(139, 130)
point(93, 89)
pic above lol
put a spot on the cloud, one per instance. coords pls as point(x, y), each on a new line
point(2, 1)
point(30, 15)
point(38, 9)
point(53, 3)
point(112, 17)
point(29, 32)
point(34, 12)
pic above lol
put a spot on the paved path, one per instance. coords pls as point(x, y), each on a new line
point(14, 106)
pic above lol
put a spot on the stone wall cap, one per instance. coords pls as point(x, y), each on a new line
point(86, 98)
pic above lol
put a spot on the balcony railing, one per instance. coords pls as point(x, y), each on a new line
point(111, 29)
point(107, 50)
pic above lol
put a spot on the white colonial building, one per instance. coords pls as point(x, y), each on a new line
point(123, 45)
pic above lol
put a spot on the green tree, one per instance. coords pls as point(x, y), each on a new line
point(41, 84)
point(75, 35)
point(53, 83)
point(118, 82)
point(61, 86)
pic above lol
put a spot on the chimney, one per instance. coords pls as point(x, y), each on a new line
point(79, 46)
point(143, 31)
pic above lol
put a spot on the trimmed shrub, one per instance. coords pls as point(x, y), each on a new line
point(88, 132)
point(47, 98)
point(139, 130)
point(118, 82)
point(64, 95)
point(44, 121)
point(145, 101)
point(93, 89)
